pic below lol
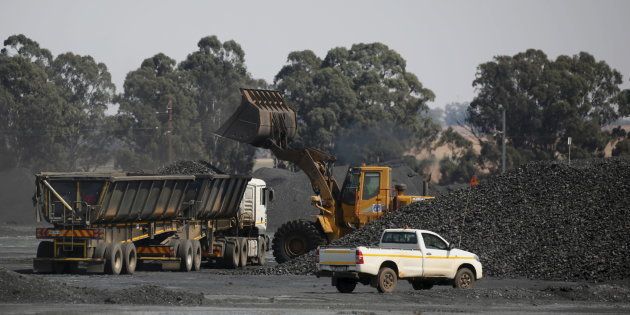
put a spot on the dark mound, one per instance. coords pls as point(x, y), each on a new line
point(545, 220)
point(16, 192)
point(189, 168)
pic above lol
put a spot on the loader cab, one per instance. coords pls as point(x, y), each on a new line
point(365, 194)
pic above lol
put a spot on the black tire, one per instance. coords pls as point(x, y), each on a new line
point(243, 252)
point(345, 285)
point(45, 249)
point(232, 254)
point(262, 250)
point(185, 254)
point(296, 238)
point(59, 267)
point(386, 280)
point(464, 279)
point(196, 246)
point(113, 259)
point(421, 285)
point(130, 258)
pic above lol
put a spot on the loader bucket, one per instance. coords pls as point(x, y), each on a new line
point(263, 117)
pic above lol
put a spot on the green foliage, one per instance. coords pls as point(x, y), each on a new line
point(359, 103)
point(547, 101)
point(456, 114)
point(52, 109)
point(622, 148)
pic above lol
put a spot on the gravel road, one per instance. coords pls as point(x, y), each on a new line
point(220, 291)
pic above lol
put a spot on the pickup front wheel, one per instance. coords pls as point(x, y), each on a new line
point(386, 280)
point(464, 279)
point(345, 285)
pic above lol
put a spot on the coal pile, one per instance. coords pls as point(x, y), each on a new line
point(189, 168)
point(545, 220)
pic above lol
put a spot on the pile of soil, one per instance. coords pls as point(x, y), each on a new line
point(189, 168)
point(21, 288)
point(544, 220)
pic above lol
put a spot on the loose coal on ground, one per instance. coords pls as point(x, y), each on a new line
point(293, 191)
point(544, 220)
point(23, 288)
point(189, 168)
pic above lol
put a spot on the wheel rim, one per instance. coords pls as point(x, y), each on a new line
point(295, 246)
point(388, 281)
point(465, 280)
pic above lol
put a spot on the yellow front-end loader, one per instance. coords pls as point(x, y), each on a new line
point(265, 120)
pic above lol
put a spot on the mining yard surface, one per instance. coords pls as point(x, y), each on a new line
point(231, 291)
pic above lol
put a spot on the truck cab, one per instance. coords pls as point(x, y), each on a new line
point(253, 208)
point(421, 257)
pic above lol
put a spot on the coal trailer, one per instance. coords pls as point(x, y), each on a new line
point(114, 222)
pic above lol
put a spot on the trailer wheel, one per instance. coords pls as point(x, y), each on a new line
point(185, 253)
point(130, 258)
point(113, 259)
point(243, 252)
point(231, 255)
point(262, 249)
point(196, 246)
point(386, 280)
point(45, 249)
point(345, 285)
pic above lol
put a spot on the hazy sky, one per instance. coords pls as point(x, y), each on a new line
point(442, 41)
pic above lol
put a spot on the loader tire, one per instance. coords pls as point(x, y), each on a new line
point(296, 238)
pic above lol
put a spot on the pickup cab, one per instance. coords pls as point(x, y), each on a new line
point(421, 257)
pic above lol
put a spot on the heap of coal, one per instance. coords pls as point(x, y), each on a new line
point(544, 220)
point(189, 168)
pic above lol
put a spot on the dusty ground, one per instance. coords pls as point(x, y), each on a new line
point(217, 291)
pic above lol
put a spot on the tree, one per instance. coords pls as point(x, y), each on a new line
point(50, 107)
point(360, 103)
point(460, 165)
point(142, 118)
point(547, 101)
point(216, 72)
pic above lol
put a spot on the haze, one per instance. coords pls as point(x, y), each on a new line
point(442, 41)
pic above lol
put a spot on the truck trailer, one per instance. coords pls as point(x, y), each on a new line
point(114, 222)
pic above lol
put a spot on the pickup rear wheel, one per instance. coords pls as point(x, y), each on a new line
point(386, 280)
point(464, 279)
point(345, 285)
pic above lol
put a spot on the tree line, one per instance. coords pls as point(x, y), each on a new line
point(360, 103)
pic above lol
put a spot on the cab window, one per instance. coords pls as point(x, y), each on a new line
point(433, 242)
point(371, 185)
point(350, 186)
point(400, 238)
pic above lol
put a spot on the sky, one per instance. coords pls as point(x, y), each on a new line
point(443, 41)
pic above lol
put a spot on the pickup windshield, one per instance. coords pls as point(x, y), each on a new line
point(400, 238)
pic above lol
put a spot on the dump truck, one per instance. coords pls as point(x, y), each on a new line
point(265, 120)
point(114, 222)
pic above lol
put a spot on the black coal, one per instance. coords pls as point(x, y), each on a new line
point(189, 168)
point(544, 220)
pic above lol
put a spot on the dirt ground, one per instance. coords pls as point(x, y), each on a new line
point(219, 291)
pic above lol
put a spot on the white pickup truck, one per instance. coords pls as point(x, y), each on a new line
point(421, 257)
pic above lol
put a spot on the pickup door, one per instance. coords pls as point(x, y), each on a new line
point(404, 248)
point(436, 259)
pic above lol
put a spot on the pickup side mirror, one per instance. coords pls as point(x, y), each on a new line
point(451, 246)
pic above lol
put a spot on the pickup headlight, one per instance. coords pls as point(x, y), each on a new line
point(476, 257)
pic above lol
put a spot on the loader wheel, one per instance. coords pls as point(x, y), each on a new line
point(296, 238)
point(130, 258)
point(185, 254)
point(113, 259)
point(464, 279)
point(243, 246)
point(196, 245)
point(231, 256)
point(345, 285)
point(386, 280)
